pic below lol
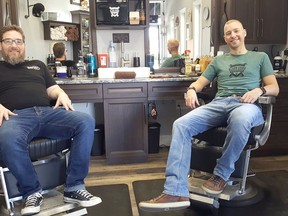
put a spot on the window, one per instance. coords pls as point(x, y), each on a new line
point(196, 28)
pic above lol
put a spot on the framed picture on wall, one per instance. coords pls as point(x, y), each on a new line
point(76, 2)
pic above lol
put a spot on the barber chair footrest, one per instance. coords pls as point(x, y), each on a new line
point(53, 204)
point(230, 195)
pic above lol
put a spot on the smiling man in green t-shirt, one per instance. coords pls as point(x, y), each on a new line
point(242, 77)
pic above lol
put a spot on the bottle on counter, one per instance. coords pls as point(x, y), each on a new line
point(81, 66)
point(277, 63)
point(142, 18)
point(197, 66)
point(188, 63)
point(91, 65)
point(112, 55)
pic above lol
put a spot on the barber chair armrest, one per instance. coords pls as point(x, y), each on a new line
point(268, 101)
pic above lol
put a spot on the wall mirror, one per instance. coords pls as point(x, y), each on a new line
point(181, 20)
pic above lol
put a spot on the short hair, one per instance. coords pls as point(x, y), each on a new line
point(233, 20)
point(7, 28)
point(173, 44)
point(59, 49)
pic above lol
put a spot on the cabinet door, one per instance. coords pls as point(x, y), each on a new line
point(273, 21)
point(226, 13)
point(247, 11)
point(126, 130)
point(264, 20)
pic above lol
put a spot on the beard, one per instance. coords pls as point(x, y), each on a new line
point(12, 58)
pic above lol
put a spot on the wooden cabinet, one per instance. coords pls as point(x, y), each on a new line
point(84, 93)
point(9, 12)
point(264, 20)
point(84, 43)
point(125, 120)
point(126, 115)
point(167, 90)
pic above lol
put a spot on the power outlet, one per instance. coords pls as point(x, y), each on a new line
point(120, 37)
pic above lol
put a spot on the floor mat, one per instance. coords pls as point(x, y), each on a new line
point(115, 200)
point(274, 202)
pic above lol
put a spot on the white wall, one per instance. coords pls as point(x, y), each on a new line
point(135, 45)
point(36, 46)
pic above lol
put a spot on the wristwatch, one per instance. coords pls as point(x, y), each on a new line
point(263, 90)
point(191, 88)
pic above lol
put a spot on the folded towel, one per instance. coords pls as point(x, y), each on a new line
point(125, 75)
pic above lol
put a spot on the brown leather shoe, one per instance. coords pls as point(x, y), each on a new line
point(165, 202)
point(214, 185)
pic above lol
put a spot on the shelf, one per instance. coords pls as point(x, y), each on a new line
point(83, 19)
point(53, 24)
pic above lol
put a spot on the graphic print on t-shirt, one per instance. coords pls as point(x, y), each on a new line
point(237, 70)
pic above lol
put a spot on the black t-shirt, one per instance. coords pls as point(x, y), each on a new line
point(24, 85)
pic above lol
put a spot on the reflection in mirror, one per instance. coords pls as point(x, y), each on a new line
point(175, 19)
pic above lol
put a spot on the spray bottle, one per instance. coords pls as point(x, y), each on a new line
point(112, 55)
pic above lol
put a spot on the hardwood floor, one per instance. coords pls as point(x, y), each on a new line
point(102, 174)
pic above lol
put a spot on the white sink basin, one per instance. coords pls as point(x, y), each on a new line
point(109, 73)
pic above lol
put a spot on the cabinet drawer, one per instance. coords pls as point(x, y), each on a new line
point(125, 90)
point(84, 93)
point(167, 90)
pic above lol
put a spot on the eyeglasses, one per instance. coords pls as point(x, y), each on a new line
point(9, 41)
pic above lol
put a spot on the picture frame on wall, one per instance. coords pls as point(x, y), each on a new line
point(75, 2)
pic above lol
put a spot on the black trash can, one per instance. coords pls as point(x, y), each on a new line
point(98, 147)
point(153, 137)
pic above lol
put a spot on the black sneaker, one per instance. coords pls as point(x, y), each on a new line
point(32, 204)
point(82, 198)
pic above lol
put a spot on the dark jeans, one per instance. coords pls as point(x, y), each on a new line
point(46, 122)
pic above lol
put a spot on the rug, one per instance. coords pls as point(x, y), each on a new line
point(274, 202)
point(115, 200)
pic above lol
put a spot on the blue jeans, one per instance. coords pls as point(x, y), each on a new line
point(46, 122)
point(239, 117)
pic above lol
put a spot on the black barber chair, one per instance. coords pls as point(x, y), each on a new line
point(49, 157)
point(207, 147)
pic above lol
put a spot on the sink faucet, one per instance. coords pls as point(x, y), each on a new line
point(123, 60)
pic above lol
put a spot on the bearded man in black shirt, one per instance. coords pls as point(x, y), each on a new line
point(26, 89)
